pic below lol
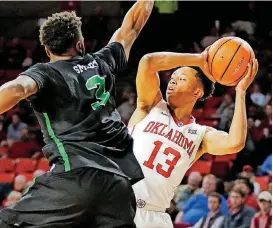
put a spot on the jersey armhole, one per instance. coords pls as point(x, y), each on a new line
point(200, 138)
point(160, 104)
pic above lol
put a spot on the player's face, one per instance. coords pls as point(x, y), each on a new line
point(183, 87)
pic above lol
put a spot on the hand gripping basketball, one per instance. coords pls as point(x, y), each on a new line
point(204, 64)
point(248, 79)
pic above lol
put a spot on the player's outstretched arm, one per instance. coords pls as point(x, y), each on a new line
point(147, 80)
point(133, 22)
point(219, 143)
point(14, 91)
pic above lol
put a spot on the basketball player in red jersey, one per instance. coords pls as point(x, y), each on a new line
point(167, 141)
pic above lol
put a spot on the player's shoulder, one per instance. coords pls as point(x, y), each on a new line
point(162, 105)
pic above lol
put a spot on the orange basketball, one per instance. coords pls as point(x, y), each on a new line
point(228, 59)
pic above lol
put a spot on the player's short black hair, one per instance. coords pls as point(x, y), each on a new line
point(60, 32)
point(208, 85)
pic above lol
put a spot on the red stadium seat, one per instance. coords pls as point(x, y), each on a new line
point(197, 113)
point(227, 157)
point(25, 165)
point(7, 165)
point(263, 181)
point(43, 164)
point(182, 225)
point(220, 169)
point(210, 123)
point(202, 167)
point(6, 177)
point(3, 150)
point(29, 176)
point(213, 102)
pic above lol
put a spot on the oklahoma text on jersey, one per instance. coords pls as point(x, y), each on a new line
point(173, 135)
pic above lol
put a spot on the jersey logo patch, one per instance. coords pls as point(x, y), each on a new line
point(193, 132)
point(141, 203)
point(165, 114)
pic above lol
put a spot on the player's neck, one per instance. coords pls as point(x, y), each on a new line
point(183, 113)
point(68, 55)
point(57, 58)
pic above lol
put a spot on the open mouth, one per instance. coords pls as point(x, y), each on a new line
point(170, 90)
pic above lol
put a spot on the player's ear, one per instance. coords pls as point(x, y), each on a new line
point(47, 52)
point(198, 93)
point(80, 48)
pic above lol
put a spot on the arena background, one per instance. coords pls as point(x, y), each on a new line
point(173, 26)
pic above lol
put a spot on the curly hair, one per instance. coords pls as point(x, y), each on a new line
point(60, 32)
point(208, 85)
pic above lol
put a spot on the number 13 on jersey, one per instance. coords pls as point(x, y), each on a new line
point(158, 167)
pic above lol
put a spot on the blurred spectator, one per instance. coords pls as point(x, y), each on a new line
point(256, 96)
point(211, 38)
point(252, 135)
point(28, 60)
point(27, 185)
point(247, 187)
point(263, 219)
point(184, 192)
point(127, 108)
point(267, 121)
point(12, 198)
point(25, 148)
point(254, 131)
point(215, 218)
point(197, 206)
point(19, 183)
point(172, 210)
point(249, 174)
point(14, 129)
point(270, 187)
point(14, 53)
point(38, 173)
point(239, 215)
point(225, 111)
point(5, 189)
point(3, 135)
point(266, 167)
point(228, 32)
point(220, 187)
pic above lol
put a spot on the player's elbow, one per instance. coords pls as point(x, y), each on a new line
point(148, 62)
point(236, 147)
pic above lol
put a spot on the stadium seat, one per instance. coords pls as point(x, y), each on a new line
point(7, 165)
point(25, 165)
point(197, 113)
point(220, 169)
point(213, 102)
point(202, 167)
point(227, 157)
point(6, 177)
point(3, 151)
point(43, 164)
point(29, 176)
point(210, 123)
point(182, 225)
point(263, 182)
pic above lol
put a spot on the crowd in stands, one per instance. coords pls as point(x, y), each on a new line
point(225, 191)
